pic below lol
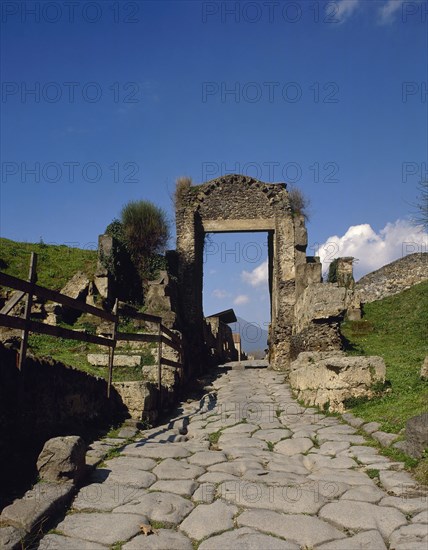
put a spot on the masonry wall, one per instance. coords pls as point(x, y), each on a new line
point(394, 277)
point(48, 400)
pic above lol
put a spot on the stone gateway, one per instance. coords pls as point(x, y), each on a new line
point(236, 203)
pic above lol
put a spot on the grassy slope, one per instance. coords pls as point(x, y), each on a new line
point(56, 264)
point(396, 329)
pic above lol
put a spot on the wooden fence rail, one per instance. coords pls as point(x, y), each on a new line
point(28, 289)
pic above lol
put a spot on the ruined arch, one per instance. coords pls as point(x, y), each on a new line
point(237, 203)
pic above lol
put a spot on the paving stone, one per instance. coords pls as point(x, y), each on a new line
point(304, 530)
point(328, 489)
point(371, 427)
point(11, 537)
point(177, 469)
point(233, 441)
point(365, 493)
point(197, 445)
point(413, 533)
point(248, 453)
point(355, 439)
point(124, 476)
point(411, 545)
point(385, 439)
point(343, 429)
point(351, 477)
point(246, 538)
point(399, 483)
point(354, 421)
point(290, 447)
point(368, 540)
point(104, 497)
point(406, 505)
point(273, 478)
point(58, 542)
point(314, 462)
point(308, 433)
point(288, 499)
point(333, 447)
point(209, 519)
point(101, 528)
point(205, 493)
point(422, 517)
point(184, 487)
point(361, 515)
point(236, 467)
point(158, 506)
point(274, 434)
point(217, 477)
point(207, 458)
point(156, 450)
point(131, 462)
point(162, 539)
point(387, 465)
point(240, 429)
point(127, 432)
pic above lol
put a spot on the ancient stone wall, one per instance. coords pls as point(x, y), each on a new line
point(394, 277)
point(50, 399)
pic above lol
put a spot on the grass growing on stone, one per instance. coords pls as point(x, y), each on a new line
point(56, 264)
point(396, 329)
point(214, 437)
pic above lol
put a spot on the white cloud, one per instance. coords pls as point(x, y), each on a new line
point(258, 276)
point(344, 9)
point(241, 299)
point(371, 249)
point(220, 293)
point(387, 11)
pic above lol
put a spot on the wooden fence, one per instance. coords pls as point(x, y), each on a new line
point(28, 289)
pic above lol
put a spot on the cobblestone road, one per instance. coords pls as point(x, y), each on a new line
point(247, 467)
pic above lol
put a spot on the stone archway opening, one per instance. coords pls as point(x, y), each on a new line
point(236, 275)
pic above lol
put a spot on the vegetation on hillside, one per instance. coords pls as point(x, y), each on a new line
point(396, 329)
point(56, 264)
point(140, 239)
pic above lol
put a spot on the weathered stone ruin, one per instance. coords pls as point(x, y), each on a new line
point(394, 277)
point(304, 313)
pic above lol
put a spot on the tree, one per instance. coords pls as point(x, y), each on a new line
point(420, 216)
point(145, 230)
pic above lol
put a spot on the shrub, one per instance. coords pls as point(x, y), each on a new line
point(182, 185)
point(146, 232)
point(299, 202)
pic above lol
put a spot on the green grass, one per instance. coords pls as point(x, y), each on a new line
point(74, 353)
point(396, 329)
point(56, 264)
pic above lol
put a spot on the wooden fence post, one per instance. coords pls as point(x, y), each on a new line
point(160, 368)
point(32, 277)
point(111, 350)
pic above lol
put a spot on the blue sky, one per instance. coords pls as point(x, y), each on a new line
point(127, 96)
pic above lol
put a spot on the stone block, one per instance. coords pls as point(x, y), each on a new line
point(38, 504)
point(417, 435)
point(102, 359)
point(62, 459)
point(335, 379)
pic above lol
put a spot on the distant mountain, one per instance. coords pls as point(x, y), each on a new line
point(253, 336)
